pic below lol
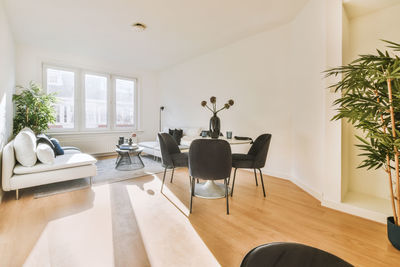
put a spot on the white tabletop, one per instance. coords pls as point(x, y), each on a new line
point(231, 141)
point(187, 140)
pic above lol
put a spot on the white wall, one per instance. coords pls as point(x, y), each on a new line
point(29, 67)
point(7, 80)
point(254, 73)
point(346, 139)
point(276, 79)
point(308, 60)
point(365, 33)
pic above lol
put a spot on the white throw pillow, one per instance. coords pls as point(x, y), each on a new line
point(45, 153)
point(192, 132)
point(25, 147)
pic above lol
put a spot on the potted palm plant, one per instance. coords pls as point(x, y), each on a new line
point(370, 100)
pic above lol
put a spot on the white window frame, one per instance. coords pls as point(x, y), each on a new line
point(76, 95)
point(109, 101)
point(135, 101)
point(80, 101)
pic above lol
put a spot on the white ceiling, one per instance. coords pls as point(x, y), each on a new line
point(356, 8)
point(177, 29)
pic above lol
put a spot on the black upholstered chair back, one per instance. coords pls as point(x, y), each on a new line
point(168, 146)
point(210, 159)
point(259, 150)
point(291, 255)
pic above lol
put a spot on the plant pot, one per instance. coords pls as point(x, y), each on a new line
point(393, 232)
point(215, 126)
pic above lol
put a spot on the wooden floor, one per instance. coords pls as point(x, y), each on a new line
point(131, 223)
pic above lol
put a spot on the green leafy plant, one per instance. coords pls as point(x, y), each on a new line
point(370, 101)
point(33, 108)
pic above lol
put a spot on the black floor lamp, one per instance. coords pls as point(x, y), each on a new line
point(161, 110)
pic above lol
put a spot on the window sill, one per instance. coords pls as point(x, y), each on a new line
point(94, 132)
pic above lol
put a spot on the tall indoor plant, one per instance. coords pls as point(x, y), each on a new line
point(370, 100)
point(33, 108)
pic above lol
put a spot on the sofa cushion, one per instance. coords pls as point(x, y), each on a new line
point(60, 162)
point(187, 140)
point(42, 138)
point(45, 153)
point(25, 147)
point(57, 147)
point(192, 131)
point(150, 144)
point(176, 134)
point(19, 181)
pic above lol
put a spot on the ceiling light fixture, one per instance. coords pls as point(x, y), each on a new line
point(139, 27)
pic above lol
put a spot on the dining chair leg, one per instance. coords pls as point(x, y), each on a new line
point(262, 181)
point(233, 182)
point(172, 176)
point(226, 195)
point(255, 176)
point(193, 185)
point(163, 180)
point(191, 194)
point(198, 181)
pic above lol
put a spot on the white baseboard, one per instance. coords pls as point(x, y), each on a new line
point(356, 211)
point(342, 207)
point(308, 189)
point(300, 184)
point(275, 174)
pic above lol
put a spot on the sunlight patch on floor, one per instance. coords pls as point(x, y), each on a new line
point(168, 235)
point(68, 240)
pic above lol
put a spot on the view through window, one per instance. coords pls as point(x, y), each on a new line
point(90, 101)
point(125, 103)
point(95, 101)
point(62, 83)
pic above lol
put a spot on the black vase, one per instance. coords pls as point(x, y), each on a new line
point(393, 232)
point(215, 126)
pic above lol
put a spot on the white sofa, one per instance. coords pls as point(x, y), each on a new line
point(72, 165)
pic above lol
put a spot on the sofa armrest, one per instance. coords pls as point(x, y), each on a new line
point(8, 164)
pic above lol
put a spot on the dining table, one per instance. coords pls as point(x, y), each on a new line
point(211, 189)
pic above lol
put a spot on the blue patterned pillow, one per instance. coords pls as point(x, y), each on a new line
point(57, 148)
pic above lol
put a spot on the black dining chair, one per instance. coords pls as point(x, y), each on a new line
point(281, 254)
point(210, 160)
point(254, 159)
point(171, 155)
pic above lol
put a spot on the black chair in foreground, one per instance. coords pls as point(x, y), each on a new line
point(210, 160)
point(290, 255)
point(254, 159)
point(171, 155)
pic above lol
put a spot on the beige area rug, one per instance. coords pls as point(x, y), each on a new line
point(106, 173)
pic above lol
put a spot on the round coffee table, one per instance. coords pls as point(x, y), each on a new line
point(129, 159)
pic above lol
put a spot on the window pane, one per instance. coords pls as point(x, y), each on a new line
point(96, 101)
point(125, 102)
point(62, 83)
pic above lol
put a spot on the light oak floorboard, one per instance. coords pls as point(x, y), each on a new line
point(117, 225)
